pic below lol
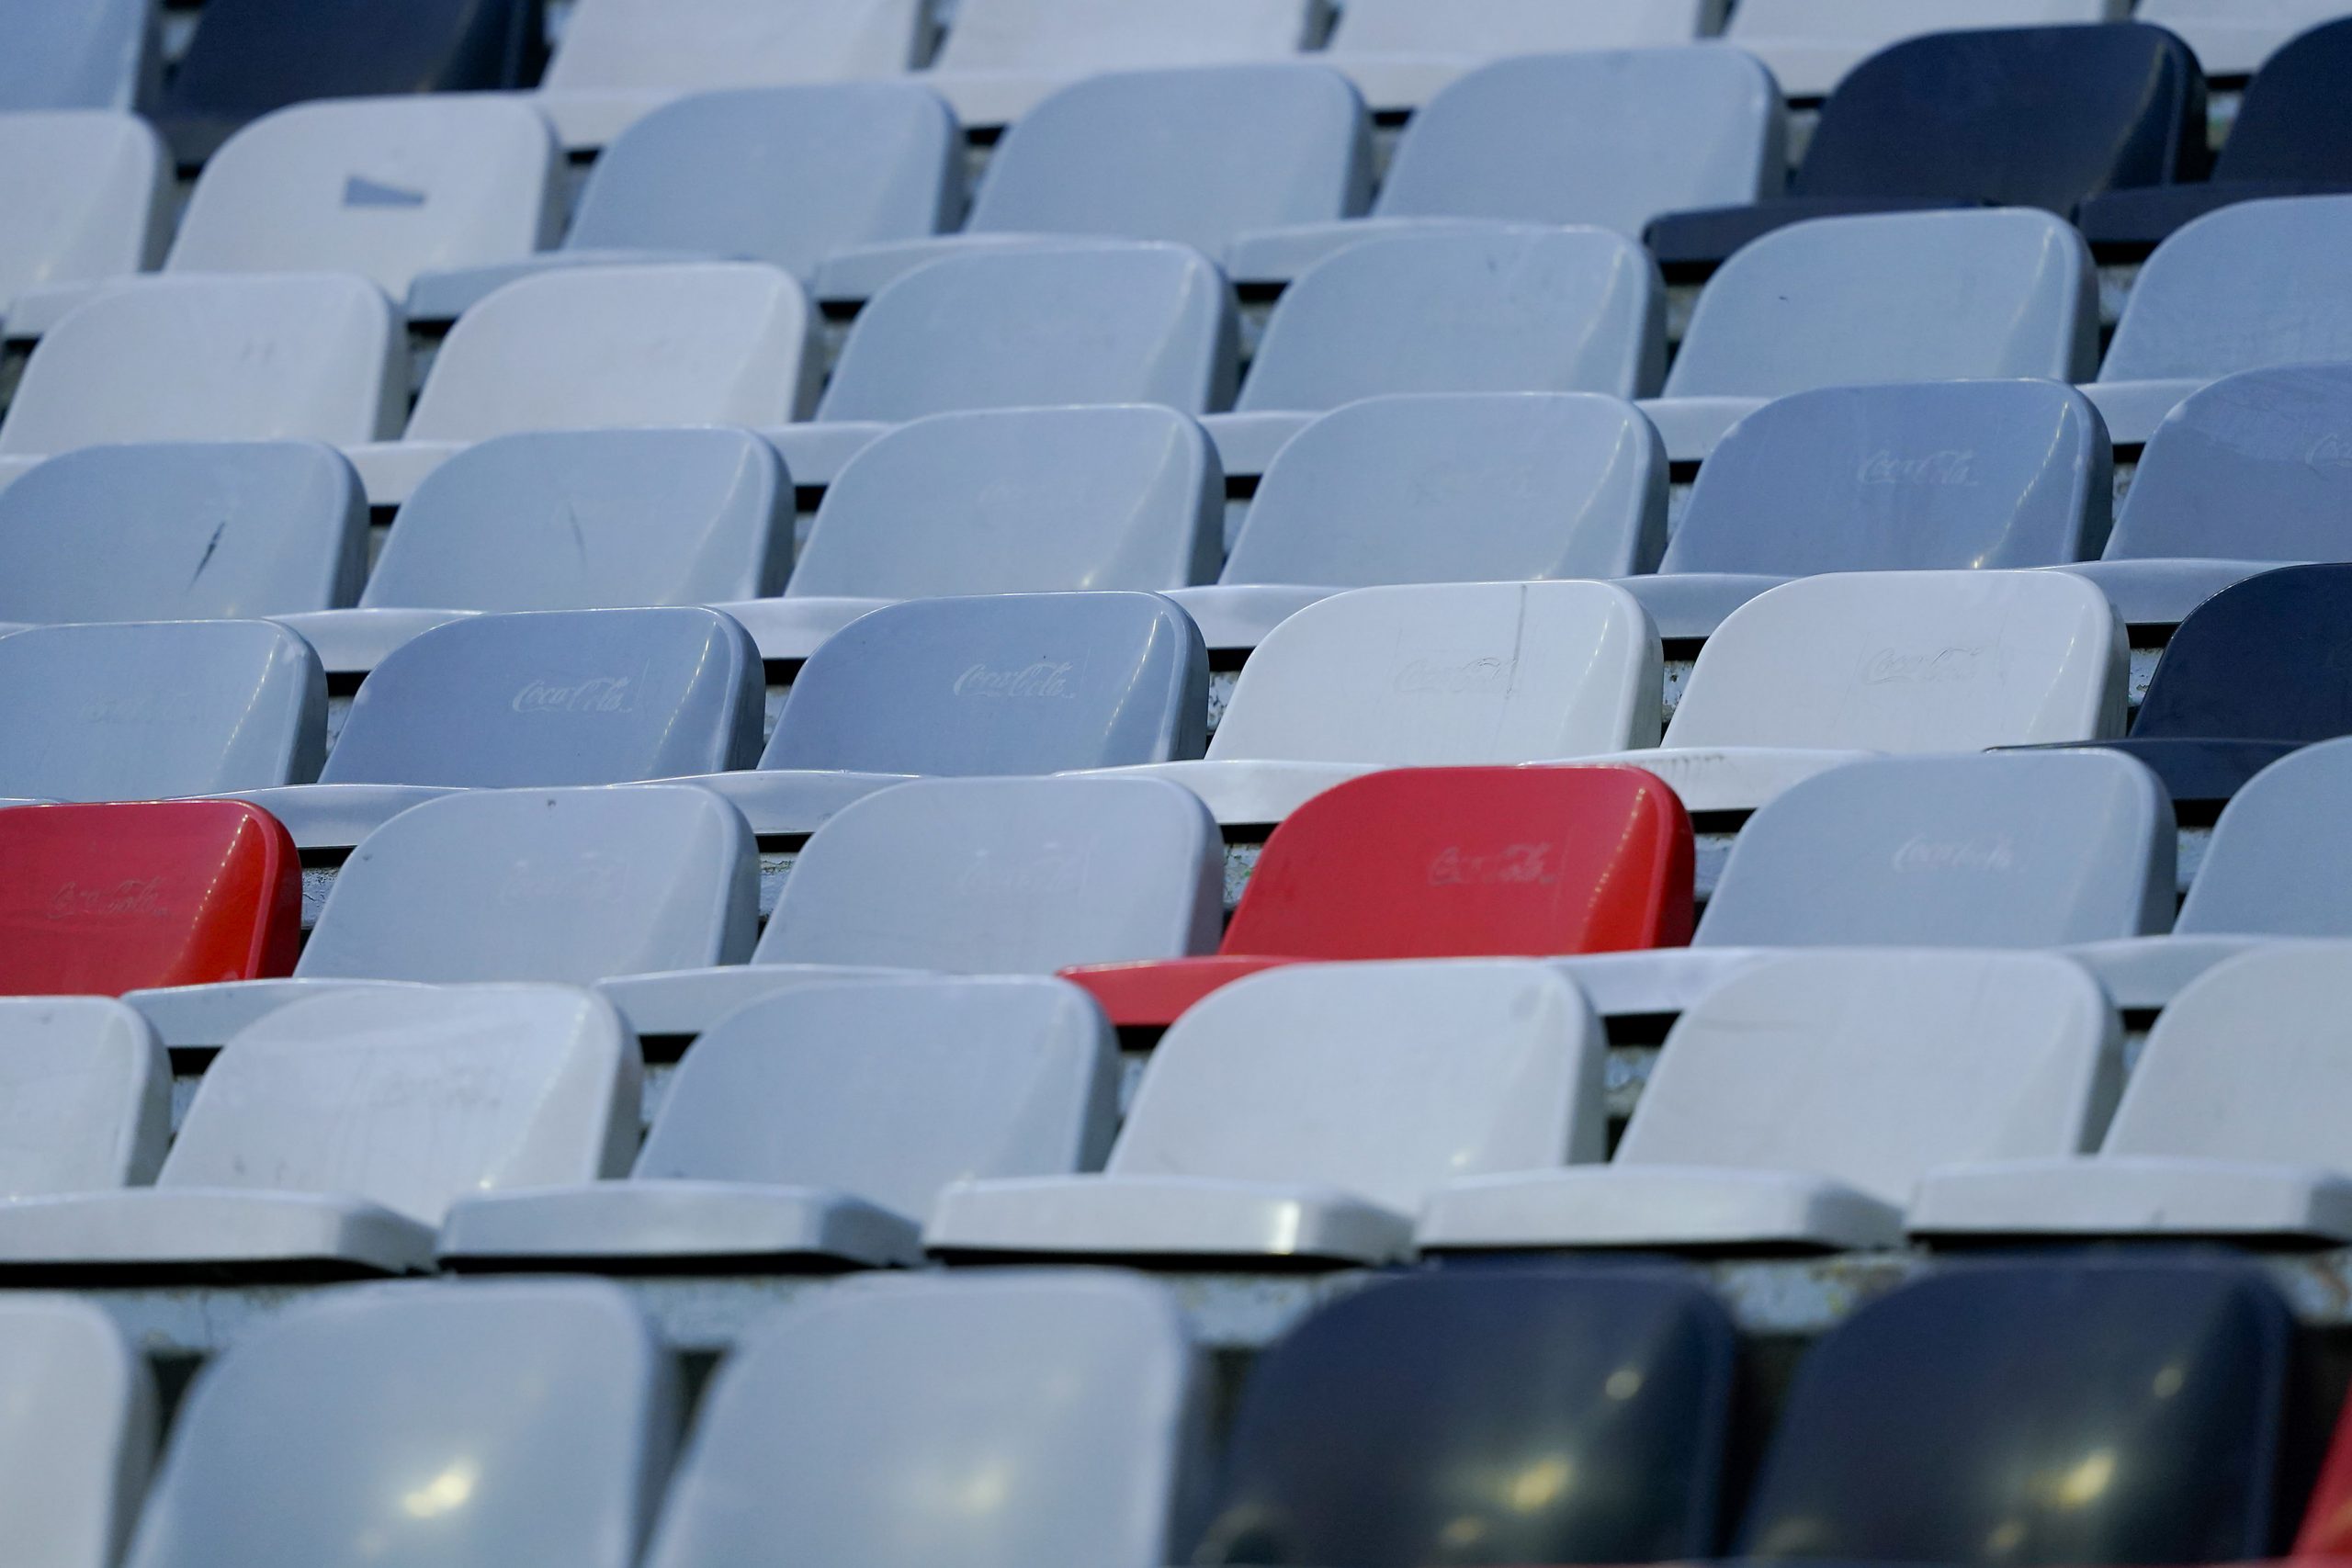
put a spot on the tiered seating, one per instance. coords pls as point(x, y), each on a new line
point(102, 55)
point(89, 1102)
point(1400, 54)
point(2235, 37)
point(1811, 44)
point(88, 194)
point(78, 1432)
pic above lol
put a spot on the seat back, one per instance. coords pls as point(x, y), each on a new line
point(258, 55)
point(2276, 867)
point(1080, 37)
point(88, 191)
point(686, 45)
point(89, 1098)
point(2241, 289)
point(103, 55)
point(1514, 27)
point(2292, 124)
point(2254, 466)
point(2268, 659)
point(79, 1430)
point(2233, 37)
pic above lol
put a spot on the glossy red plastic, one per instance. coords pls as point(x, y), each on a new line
point(1442, 862)
point(97, 900)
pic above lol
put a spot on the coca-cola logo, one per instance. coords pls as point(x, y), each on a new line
point(1956, 854)
point(601, 693)
point(2330, 451)
point(1045, 678)
point(1950, 467)
point(131, 896)
point(1933, 667)
point(1511, 865)
point(1456, 677)
point(593, 879)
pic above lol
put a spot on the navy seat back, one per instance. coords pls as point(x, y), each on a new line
point(2295, 122)
point(2268, 659)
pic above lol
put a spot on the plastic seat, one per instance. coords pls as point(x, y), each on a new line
point(2002, 116)
point(969, 876)
point(103, 55)
point(565, 520)
point(89, 1098)
point(1434, 675)
point(1983, 295)
point(2235, 37)
point(1931, 476)
point(2240, 288)
point(1195, 155)
point(559, 885)
point(88, 195)
point(1604, 1400)
point(78, 1434)
point(503, 1423)
point(1798, 1103)
point(2322, 1534)
point(105, 899)
point(997, 684)
point(182, 530)
point(1489, 309)
point(1437, 862)
point(1306, 1112)
point(1443, 486)
point(1400, 54)
point(817, 1126)
point(1812, 44)
point(785, 176)
point(536, 700)
point(1076, 1402)
point(2086, 1410)
point(1002, 501)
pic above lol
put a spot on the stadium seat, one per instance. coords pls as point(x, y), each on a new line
point(1195, 155)
point(785, 176)
point(1047, 1417)
point(139, 710)
point(1823, 669)
point(1439, 862)
point(1001, 57)
point(1988, 293)
point(1305, 1113)
point(2322, 1534)
point(1401, 53)
point(2248, 473)
point(2081, 1410)
point(335, 1133)
point(2242, 289)
point(104, 54)
point(990, 685)
point(107, 898)
point(89, 1102)
point(527, 1422)
point(1811, 44)
point(1432, 675)
point(2292, 137)
point(563, 520)
point(541, 700)
point(970, 877)
point(1610, 139)
point(2235, 37)
point(1999, 117)
point(77, 1434)
point(816, 1127)
point(182, 531)
point(1486, 309)
point(88, 195)
point(619, 59)
point(1797, 1104)
point(1602, 1404)
point(1002, 501)
point(1931, 476)
point(559, 885)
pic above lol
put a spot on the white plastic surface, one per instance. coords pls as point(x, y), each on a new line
point(86, 1096)
point(1810, 44)
point(2233, 37)
point(1400, 52)
point(1003, 57)
point(77, 1431)
point(88, 198)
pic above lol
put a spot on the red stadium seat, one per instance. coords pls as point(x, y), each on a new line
point(97, 900)
point(1442, 863)
point(2327, 1522)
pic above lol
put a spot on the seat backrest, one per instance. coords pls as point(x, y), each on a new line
point(1005, 876)
point(558, 697)
point(2254, 466)
point(1445, 674)
point(1604, 1398)
point(662, 344)
point(1080, 36)
point(413, 1097)
point(290, 355)
point(1197, 155)
point(589, 519)
point(570, 885)
point(88, 1101)
point(1459, 487)
point(140, 710)
point(89, 195)
point(183, 530)
point(2275, 865)
point(1931, 475)
point(1021, 500)
point(785, 176)
point(891, 1089)
point(79, 1429)
point(1098, 322)
point(2233, 37)
point(1989, 293)
point(1613, 138)
point(1069, 1407)
point(2240, 288)
point(2015, 849)
point(688, 45)
point(1002, 683)
point(105, 54)
point(103, 899)
point(1480, 311)
point(1910, 661)
point(1436, 863)
point(2292, 124)
point(258, 55)
point(2267, 659)
point(1380, 1080)
point(1513, 26)
point(510, 1421)
point(2011, 1402)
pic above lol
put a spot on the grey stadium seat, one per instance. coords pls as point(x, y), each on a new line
point(89, 194)
point(1401, 53)
point(89, 1101)
point(78, 1432)
point(105, 54)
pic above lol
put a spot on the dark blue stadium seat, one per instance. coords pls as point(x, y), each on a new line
point(1591, 1407)
point(2010, 117)
point(2085, 1411)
